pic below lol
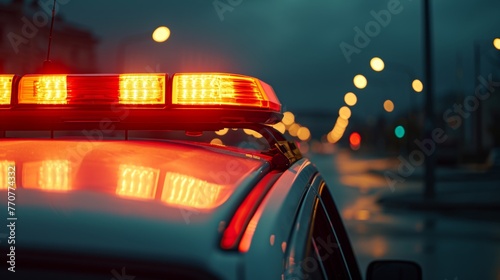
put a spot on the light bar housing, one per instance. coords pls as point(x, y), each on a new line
point(139, 101)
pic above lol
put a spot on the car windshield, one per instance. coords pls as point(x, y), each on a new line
point(143, 170)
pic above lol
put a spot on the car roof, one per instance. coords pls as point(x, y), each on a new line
point(85, 196)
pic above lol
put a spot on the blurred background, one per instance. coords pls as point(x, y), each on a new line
point(396, 102)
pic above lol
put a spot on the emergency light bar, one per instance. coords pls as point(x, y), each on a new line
point(185, 101)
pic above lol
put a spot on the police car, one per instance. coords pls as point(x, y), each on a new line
point(79, 200)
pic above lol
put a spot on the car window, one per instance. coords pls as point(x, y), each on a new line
point(331, 223)
point(324, 249)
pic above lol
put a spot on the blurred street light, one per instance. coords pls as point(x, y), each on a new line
point(388, 106)
point(345, 112)
point(303, 133)
point(341, 122)
point(399, 131)
point(377, 64)
point(161, 34)
point(417, 85)
point(350, 99)
point(360, 81)
point(355, 139)
point(496, 43)
point(293, 129)
point(288, 118)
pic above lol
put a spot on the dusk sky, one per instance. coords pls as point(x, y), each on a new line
point(295, 45)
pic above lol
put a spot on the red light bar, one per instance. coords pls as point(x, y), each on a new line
point(137, 89)
point(222, 89)
point(188, 101)
point(5, 89)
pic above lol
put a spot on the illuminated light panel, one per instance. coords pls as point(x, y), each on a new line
point(43, 89)
point(5, 89)
point(142, 89)
point(4, 174)
point(189, 191)
point(222, 89)
point(137, 181)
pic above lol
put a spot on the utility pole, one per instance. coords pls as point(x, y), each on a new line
point(430, 160)
point(479, 113)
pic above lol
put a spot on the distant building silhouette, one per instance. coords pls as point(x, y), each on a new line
point(24, 35)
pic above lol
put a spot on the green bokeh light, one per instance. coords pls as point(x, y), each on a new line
point(399, 131)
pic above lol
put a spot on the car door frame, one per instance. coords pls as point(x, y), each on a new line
point(296, 258)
